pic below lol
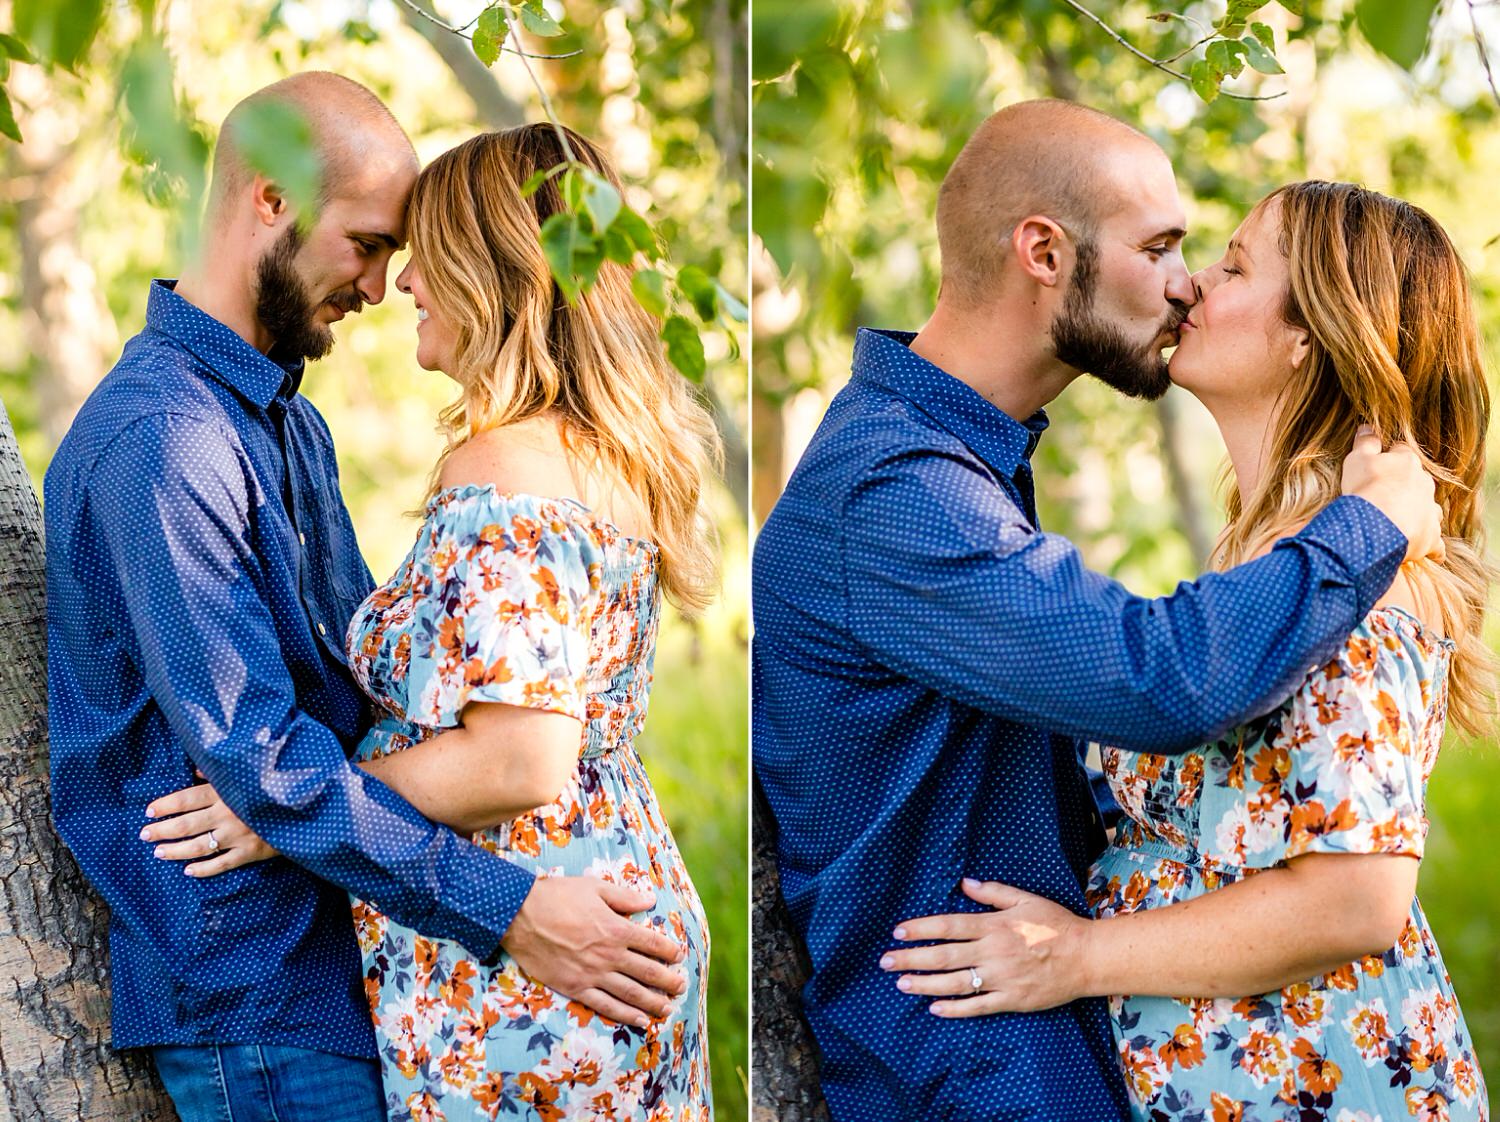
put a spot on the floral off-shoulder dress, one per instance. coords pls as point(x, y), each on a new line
point(529, 601)
point(1341, 768)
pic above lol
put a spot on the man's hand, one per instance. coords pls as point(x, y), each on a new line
point(202, 827)
point(1396, 483)
point(572, 934)
point(1028, 954)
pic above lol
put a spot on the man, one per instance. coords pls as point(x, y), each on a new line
point(202, 573)
point(924, 657)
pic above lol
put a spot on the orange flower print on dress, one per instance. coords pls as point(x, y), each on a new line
point(524, 600)
point(1342, 767)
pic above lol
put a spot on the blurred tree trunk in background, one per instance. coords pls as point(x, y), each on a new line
point(784, 1058)
point(54, 1019)
point(68, 326)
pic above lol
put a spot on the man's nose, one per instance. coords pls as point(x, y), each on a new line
point(371, 283)
point(1183, 288)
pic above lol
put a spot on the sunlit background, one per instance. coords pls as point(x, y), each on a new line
point(860, 107)
point(660, 83)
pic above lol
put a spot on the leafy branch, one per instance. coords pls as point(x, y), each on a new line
point(596, 224)
point(1228, 49)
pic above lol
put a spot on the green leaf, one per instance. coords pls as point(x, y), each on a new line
point(650, 289)
point(276, 140)
point(731, 305)
point(159, 133)
point(1241, 10)
point(1293, 6)
point(684, 347)
point(600, 200)
point(617, 246)
point(535, 180)
point(60, 31)
point(1266, 36)
point(561, 236)
point(16, 49)
point(637, 230)
point(489, 35)
point(8, 124)
point(1225, 57)
point(1396, 28)
point(1260, 58)
point(1204, 81)
point(700, 291)
point(538, 22)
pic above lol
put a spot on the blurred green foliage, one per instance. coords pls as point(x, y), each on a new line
point(660, 84)
point(859, 108)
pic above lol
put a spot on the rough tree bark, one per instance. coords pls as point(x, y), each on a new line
point(784, 1058)
point(54, 1006)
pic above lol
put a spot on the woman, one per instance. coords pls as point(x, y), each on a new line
point(1272, 874)
point(510, 655)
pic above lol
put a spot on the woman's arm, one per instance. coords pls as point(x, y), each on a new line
point(502, 761)
point(1288, 924)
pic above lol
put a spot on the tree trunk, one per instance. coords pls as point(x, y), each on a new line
point(54, 1013)
point(784, 1058)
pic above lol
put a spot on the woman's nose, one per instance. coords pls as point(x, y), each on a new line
point(403, 279)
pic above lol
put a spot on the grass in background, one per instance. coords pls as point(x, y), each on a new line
point(696, 747)
point(1458, 885)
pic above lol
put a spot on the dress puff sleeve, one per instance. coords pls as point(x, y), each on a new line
point(505, 587)
point(1343, 768)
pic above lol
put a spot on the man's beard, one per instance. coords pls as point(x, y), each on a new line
point(1087, 343)
point(285, 309)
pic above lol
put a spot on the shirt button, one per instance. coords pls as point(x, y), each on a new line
point(322, 630)
point(302, 538)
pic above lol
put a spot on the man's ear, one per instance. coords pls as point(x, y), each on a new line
point(269, 203)
point(1039, 246)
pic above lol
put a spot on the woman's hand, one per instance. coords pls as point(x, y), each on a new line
point(1027, 954)
point(202, 827)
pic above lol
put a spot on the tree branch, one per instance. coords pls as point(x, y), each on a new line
point(459, 31)
point(1484, 56)
point(1156, 62)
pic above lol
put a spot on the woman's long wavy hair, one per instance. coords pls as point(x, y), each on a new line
point(523, 350)
point(1394, 343)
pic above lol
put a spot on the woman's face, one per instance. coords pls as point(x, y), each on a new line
point(1235, 350)
point(437, 342)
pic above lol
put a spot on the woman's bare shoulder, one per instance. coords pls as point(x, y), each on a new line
point(525, 458)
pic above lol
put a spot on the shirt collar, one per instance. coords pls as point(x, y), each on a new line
point(229, 358)
point(886, 358)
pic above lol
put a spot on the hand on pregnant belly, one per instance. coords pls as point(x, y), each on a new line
point(572, 934)
point(1028, 954)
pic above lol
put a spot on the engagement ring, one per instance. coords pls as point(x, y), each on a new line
point(975, 980)
point(213, 847)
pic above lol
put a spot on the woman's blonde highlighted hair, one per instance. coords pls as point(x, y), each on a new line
point(1385, 298)
point(523, 350)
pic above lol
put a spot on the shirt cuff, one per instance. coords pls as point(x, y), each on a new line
point(1363, 542)
point(479, 895)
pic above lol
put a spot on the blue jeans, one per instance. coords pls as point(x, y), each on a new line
point(267, 1083)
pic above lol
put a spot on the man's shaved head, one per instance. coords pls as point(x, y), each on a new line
point(1046, 157)
point(351, 131)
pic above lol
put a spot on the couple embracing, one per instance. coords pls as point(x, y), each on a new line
point(929, 666)
point(246, 732)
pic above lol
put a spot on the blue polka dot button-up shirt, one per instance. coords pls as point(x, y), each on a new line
point(202, 571)
point(924, 661)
